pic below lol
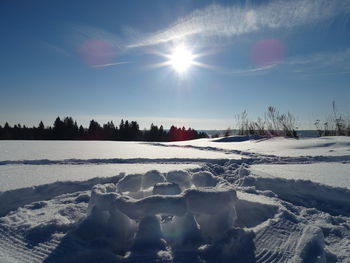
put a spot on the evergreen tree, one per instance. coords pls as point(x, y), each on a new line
point(58, 129)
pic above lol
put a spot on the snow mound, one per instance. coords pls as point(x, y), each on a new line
point(310, 245)
point(127, 225)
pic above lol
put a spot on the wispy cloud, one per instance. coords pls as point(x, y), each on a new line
point(328, 63)
point(54, 48)
point(323, 59)
point(245, 71)
point(82, 33)
point(97, 47)
point(110, 64)
point(323, 63)
point(217, 20)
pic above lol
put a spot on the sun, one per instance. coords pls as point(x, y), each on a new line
point(181, 59)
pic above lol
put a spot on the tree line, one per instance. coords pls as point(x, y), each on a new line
point(68, 129)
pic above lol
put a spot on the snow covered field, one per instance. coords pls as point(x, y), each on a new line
point(19, 176)
point(333, 174)
point(235, 199)
point(96, 151)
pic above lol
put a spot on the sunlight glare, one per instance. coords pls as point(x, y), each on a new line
point(181, 59)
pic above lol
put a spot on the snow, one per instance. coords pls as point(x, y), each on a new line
point(166, 188)
point(130, 183)
point(235, 199)
point(151, 178)
point(204, 179)
point(181, 178)
point(86, 150)
point(323, 146)
point(333, 174)
point(20, 176)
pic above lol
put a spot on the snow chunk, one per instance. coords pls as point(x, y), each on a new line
point(213, 208)
point(149, 235)
point(310, 247)
point(151, 178)
point(182, 178)
point(130, 183)
point(138, 209)
point(166, 189)
point(102, 196)
point(111, 228)
point(210, 200)
point(157, 204)
point(204, 179)
point(188, 232)
point(214, 226)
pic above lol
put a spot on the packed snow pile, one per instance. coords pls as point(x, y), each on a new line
point(174, 220)
point(247, 209)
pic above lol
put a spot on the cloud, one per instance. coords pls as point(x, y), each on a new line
point(110, 64)
point(217, 20)
point(54, 48)
point(244, 71)
point(96, 47)
point(325, 63)
point(78, 34)
point(322, 59)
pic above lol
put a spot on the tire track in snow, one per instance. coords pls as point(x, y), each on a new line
point(251, 157)
point(277, 242)
point(258, 159)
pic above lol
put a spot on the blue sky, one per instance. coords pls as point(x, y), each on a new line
point(101, 59)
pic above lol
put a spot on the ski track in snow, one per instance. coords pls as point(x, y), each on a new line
point(278, 220)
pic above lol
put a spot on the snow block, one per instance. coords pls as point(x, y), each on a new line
point(214, 209)
point(151, 178)
point(213, 226)
point(204, 179)
point(102, 196)
point(166, 189)
point(152, 205)
point(130, 183)
point(149, 235)
point(210, 200)
point(188, 233)
point(182, 178)
point(111, 228)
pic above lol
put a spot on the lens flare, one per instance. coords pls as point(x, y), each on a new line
point(268, 52)
point(181, 59)
point(97, 52)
